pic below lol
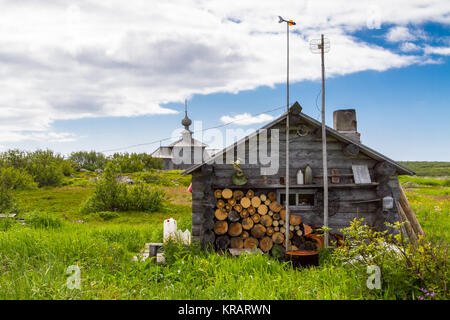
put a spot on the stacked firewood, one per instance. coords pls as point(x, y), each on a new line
point(247, 220)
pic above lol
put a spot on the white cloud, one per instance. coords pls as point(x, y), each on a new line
point(409, 47)
point(444, 51)
point(48, 136)
point(76, 59)
point(246, 119)
point(399, 33)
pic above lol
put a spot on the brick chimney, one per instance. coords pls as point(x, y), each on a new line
point(344, 121)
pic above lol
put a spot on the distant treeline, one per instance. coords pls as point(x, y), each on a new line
point(428, 168)
point(47, 168)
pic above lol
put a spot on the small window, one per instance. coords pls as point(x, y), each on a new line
point(298, 198)
point(292, 199)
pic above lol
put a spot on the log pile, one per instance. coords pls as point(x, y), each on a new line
point(247, 220)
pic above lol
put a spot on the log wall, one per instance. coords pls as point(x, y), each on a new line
point(347, 200)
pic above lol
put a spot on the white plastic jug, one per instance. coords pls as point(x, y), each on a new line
point(299, 176)
point(186, 237)
point(170, 230)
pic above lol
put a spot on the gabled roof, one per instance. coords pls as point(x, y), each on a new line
point(331, 132)
point(182, 143)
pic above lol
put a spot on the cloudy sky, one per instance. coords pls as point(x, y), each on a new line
point(106, 75)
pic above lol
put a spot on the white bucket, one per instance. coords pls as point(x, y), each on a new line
point(170, 230)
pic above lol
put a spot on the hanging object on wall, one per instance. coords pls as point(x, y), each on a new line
point(299, 176)
point(239, 177)
point(334, 177)
point(303, 131)
point(308, 175)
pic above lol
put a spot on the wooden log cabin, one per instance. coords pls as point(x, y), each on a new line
point(360, 179)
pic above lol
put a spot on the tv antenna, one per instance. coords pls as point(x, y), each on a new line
point(322, 46)
point(288, 24)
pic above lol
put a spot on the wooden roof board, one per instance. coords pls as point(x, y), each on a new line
point(333, 133)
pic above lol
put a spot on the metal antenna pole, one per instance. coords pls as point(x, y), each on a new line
point(324, 147)
point(322, 46)
point(286, 180)
point(287, 142)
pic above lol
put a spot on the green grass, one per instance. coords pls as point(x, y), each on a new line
point(34, 257)
point(428, 168)
point(430, 200)
point(33, 264)
point(425, 181)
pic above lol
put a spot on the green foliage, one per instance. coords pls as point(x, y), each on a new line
point(6, 200)
point(88, 160)
point(425, 181)
point(108, 215)
point(68, 167)
point(136, 162)
point(175, 251)
point(6, 224)
point(14, 158)
point(428, 168)
point(43, 220)
point(17, 179)
point(172, 178)
point(46, 167)
point(405, 267)
point(110, 195)
point(13, 179)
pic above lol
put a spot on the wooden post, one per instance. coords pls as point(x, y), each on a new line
point(409, 213)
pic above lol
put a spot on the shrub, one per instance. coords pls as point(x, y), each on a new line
point(108, 215)
point(17, 179)
point(43, 220)
point(140, 198)
point(171, 178)
point(136, 162)
point(14, 158)
point(110, 195)
point(68, 167)
point(6, 200)
point(88, 160)
point(405, 267)
point(45, 166)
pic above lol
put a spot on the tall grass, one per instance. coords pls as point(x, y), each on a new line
point(33, 264)
point(425, 181)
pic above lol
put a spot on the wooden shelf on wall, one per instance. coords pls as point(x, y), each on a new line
point(300, 186)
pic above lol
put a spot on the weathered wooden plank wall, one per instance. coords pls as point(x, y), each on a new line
point(305, 150)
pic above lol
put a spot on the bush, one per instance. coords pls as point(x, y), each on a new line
point(17, 179)
point(68, 167)
point(110, 195)
point(108, 215)
point(14, 158)
point(43, 220)
point(136, 162)
point(88, 160)
point(6, 200)
point(46, 167)
point(406, 268)
point(171, 178)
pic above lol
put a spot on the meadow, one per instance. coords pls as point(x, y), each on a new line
point(34, 256)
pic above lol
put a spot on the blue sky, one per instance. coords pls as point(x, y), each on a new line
point(73, 91)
